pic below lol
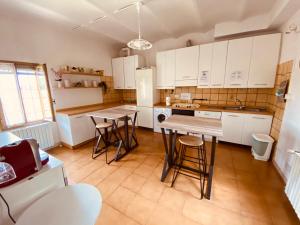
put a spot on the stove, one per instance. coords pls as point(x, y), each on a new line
point(185, 106)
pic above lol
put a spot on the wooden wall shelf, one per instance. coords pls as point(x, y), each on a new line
point(78, 88)
point(81, 73)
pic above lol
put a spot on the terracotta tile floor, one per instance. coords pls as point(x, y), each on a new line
point(245, 191)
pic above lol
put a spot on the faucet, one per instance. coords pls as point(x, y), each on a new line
point(240, 102)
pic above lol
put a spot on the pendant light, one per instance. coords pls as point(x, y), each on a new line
point(139, 43)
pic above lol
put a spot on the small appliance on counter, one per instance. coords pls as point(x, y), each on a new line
point(22, 158)
point(168, 101)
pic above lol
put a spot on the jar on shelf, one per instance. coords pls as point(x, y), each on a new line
point(67, 83)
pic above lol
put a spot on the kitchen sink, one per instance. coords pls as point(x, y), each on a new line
point(244, 108)
point(233, 108)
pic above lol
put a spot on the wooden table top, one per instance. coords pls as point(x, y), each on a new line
point(211, 127)
point(112, 114)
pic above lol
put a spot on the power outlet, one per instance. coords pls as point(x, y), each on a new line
point(185, 96)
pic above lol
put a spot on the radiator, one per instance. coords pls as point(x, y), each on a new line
point(41, 132)
point(292, 188)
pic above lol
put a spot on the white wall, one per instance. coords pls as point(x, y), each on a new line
point(289, 41)
point(173, 43)
point(33, 41)
point(289, 137)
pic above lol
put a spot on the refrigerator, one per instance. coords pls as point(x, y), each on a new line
point(146, 95)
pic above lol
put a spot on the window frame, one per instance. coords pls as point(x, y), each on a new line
point(3, 125)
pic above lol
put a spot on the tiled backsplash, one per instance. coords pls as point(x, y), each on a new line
point(111, 95)
point(221, 96)
point(284, 71)
point(129, 95)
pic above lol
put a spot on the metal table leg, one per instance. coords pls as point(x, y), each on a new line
point(170, 149)
point(211, 167)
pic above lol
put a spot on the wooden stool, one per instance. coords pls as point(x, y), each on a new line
point(96, 151)
point(196, 143)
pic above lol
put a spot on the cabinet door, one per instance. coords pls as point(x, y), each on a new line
point(161, 69)
point(145, 117)
point(218, 65)
point(265, 53)
point(255, 124)
point(238, 62)
point(233, 124)
point(81, 129)
point(169, 78)
point(205, 59)
point(118, 72)
point(187, 60)
point(129, 72)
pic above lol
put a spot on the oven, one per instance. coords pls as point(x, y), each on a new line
point(185, 112)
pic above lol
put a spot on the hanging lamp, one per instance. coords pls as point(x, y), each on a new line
point(139, 43)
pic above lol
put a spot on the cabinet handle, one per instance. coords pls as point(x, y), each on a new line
point(77, 117)
point(261, 84)
point(186, 76)
point(260, 118)
point(235, 84)
point(216, 84)
point(233, 115)
point(202, 85)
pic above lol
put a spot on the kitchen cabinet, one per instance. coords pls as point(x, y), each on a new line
point(264, 60)
point(165, 63)
point(205, 60)
point(145, 116)
point(218, 64)
point(75, 130)
point(255, 124)
point(239, 127)
point(118, 72)
point(129, 72)
point(124, 69)
point(233, 124)
point(238, 62)
point(187, 64)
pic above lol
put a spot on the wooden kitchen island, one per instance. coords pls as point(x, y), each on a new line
point(194, 125)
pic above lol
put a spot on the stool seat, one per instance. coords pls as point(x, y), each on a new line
point(192, 141)
point(103, 125)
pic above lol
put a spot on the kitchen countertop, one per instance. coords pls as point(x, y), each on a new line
point(91, 108)
point(216, 108)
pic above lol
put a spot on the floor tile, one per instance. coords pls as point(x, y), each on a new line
point(140, 209)
point(134, 182)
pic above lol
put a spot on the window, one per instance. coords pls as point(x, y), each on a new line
point(24, 96)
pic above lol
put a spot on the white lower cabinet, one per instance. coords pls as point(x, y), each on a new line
point(145, 117)
point(233, 124)
point(239, 127)
point(75, 129)
point(255, 124)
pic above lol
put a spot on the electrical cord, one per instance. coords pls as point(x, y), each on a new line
point(8, 209)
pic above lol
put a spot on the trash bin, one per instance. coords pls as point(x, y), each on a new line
point(262, 146)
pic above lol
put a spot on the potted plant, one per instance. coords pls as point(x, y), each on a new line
point(58, 78)
point(103, 86)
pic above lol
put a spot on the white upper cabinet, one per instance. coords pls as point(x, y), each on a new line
point(265, 54)
point(124, 69)
point(187, 64)
point(129, 71)
point(118, 73)
point(218, 64)
point(238, 62)
point(205, 60)
point(165, 63)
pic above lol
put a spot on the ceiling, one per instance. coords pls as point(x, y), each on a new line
point(160, 18)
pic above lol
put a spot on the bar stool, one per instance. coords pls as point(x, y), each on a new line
point(96, 150)
point(193, 143)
